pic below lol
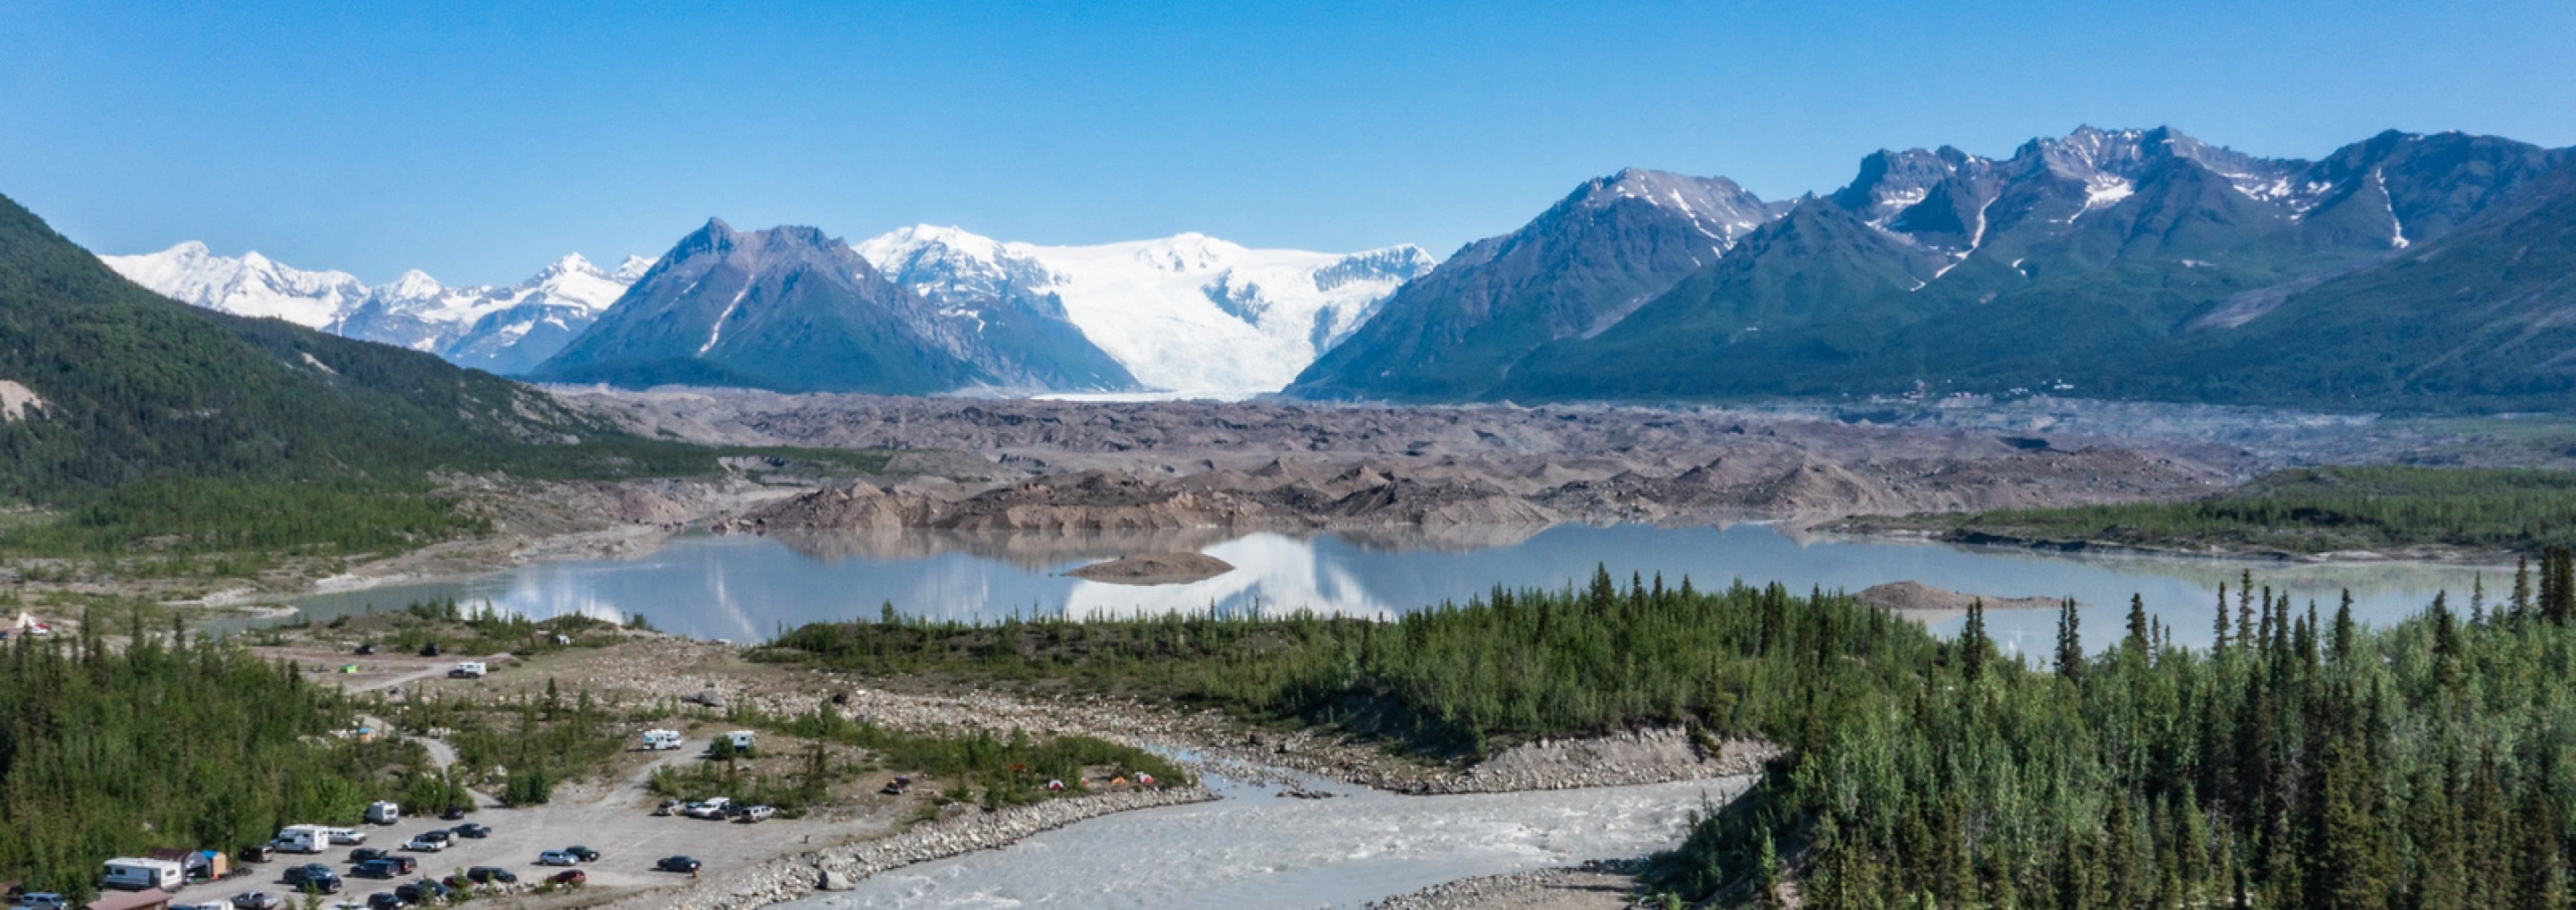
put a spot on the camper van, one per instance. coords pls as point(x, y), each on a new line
point(144, 874)
point(302, 839)
point(382, 812)
point(471, 669)
point(661, 740)
point(741, 740)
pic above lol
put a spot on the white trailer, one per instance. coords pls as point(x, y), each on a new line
point(302, 839)
point(741, 740)
point(133, 874)
point(470, 669)
point(382, 812)
point(661, 740)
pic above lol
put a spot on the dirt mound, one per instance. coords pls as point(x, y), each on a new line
point(1155, 569)
point(1917, 597)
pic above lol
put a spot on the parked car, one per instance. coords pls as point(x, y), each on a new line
point(347, 837)
point(259, 854)
point(453, 814)
point(366, 649)
point(585, 854)
point(666, 807)
point(422, 892)
point(376, 868)
point(557, 858)
point(677, 864)
point(490, 875)
point(429, 650)
point(384, 900)
point(430, 841)
point(712, 808)
point(364, 854)
point(43, 900)
point(313, 877)
point(471, 830)
point(573, 877)
point(255, 900)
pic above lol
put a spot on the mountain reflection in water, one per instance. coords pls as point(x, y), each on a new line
point(747, 588)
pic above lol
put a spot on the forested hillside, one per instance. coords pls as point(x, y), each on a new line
point(156, 419)
point(2302, 762)
point(171, 742)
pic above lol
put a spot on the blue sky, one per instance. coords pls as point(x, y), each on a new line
point(478, 141)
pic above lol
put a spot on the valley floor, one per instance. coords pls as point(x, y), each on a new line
point(711, 684)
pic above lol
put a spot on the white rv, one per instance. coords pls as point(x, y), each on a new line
point(741, 740)
point(302, 839)
point(661, 740)
point(382, 812)
point(471, 669)
point(144, 874)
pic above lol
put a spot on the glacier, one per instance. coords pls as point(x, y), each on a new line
point(1188, 315)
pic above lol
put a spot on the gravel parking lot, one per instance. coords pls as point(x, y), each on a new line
point(617, 821)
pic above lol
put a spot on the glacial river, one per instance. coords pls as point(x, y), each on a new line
point(1256, 851)
point(748, 588)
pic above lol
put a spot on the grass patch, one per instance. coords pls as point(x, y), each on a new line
point(2311, 510)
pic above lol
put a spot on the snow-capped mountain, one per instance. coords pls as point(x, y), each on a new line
point(504, 330)
point(794, 309)
point(1190, 314)
point(252, 285)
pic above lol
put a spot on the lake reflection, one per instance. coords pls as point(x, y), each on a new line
point(748, 588)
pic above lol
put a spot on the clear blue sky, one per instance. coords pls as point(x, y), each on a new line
point(479, 140)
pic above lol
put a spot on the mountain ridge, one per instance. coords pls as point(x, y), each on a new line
point(503, 329)
point(2095, 263)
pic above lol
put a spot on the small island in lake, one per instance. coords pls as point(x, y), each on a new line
point(1917, 598)
point(1155, 569)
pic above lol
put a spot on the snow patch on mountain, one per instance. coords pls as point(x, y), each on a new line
point(1188, 314)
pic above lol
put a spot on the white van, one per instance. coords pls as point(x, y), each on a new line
point(661, 740)
point(302, 839)
point(382, 812)
point(133, 874)
point(469, 669)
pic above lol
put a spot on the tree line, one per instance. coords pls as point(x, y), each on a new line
point(2301, 761)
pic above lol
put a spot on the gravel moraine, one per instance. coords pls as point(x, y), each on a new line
point(1530, 889)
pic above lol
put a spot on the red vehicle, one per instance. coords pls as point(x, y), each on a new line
point(568, 877)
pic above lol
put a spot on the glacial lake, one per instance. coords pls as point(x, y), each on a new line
point(746, 588)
